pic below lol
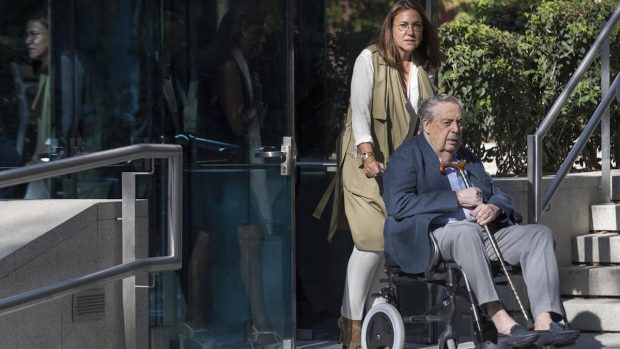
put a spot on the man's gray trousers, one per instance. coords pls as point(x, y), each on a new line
point(531, 246)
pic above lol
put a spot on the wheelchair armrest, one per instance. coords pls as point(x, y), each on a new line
point(518, 217)
point(435, 256)
point(433, 265)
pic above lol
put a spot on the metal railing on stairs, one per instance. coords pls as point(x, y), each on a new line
point(537, 203)
point(172, 261)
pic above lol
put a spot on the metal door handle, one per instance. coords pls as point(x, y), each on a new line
point(268, 152)
point(286, 154)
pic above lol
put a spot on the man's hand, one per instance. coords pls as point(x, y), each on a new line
point(469, 198)
point(485, 213)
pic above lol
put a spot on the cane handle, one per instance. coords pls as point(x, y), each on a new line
point(459, 165)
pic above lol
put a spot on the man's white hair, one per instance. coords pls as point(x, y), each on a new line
point(427, 106)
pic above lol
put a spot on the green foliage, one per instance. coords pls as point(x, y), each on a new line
point(351, 27)
point(485, 70)
point(343, 48)
point(508, 80)
point(510, 15)
point(356, 15)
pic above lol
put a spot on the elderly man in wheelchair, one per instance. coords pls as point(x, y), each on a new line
point(431, 208)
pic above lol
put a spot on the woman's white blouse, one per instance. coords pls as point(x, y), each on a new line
point(361, 95)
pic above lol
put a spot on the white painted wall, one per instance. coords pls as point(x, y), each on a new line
point(569, 212)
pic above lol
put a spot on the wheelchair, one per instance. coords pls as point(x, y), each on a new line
point(384, 325)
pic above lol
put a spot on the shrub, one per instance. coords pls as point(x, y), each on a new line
point(485, 70)
point(509, 15)
point(561, 42)
point(508, 80)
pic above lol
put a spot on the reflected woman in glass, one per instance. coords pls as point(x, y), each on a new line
point(235, 115)
point(37, 44)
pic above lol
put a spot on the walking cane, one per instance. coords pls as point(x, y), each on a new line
point(460, 166)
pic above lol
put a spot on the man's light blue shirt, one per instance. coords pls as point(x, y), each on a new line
point(456, 184)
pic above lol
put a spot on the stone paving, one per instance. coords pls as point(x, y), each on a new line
point(586, 341)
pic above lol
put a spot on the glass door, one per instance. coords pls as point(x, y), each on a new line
point(227, 96)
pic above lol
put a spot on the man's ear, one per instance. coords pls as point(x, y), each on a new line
point(425, 125)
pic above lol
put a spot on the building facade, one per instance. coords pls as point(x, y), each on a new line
point(254, 91)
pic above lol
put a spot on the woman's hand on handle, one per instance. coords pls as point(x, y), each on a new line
point(373, 168)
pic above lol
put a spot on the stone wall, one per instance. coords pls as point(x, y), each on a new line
point(46, 241)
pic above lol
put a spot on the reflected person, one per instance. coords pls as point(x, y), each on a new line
point(241, 94)
point(236, 116)
point(37, 44)
point(76, 126)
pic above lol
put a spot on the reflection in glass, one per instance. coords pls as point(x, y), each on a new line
point(224, 102)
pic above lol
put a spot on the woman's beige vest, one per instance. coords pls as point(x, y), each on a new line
point(390, 126)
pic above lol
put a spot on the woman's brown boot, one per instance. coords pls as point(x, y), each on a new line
point(350, 333)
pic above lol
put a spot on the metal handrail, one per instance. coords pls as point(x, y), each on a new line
point(536, 204)
point(172, 261)
point(582, 140)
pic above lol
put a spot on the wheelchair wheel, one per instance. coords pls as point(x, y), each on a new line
point(383, 328)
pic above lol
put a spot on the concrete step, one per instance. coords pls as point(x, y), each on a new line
point(605, 217)
point(596, 248)
point(593, 314)
point(587, 280)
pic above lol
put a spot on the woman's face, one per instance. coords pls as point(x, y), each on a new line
point(253, 39)
point(37, 40)
point(407, 31)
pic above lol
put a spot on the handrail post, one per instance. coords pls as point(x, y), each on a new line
point(128, 223)
point(605, 128)
point(175, 206)
point(534, 175)
point(130, 238)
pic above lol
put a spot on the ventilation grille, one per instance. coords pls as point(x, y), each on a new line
point(89, 305)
